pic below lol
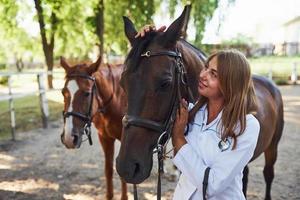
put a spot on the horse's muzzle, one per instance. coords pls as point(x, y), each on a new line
point(71, 141)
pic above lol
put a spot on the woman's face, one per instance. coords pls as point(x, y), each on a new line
point(209, 85)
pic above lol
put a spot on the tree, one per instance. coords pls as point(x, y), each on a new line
point(47, 42)
point(202, 11)
point(16, 44)
point(63, 29)
point(107, 21)
point(99, 18)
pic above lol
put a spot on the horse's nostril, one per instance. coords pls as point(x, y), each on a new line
point(75, 140)
point(62, 137)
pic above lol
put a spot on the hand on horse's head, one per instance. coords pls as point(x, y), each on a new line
point(148, 28)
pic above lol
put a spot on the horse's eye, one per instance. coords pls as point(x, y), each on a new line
point(86, 94)
point(165, 85)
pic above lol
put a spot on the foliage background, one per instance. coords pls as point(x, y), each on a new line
point(75, 34)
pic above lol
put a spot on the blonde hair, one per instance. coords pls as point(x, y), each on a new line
point(238, 91)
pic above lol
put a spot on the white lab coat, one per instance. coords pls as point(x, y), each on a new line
point(202, 151)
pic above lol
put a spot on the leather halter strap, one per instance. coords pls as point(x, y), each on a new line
point(129, 120)
point(81, 76)
point(87, 118)
point(175, 54)
point(83, 117)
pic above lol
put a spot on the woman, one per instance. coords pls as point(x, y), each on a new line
point(222, 132)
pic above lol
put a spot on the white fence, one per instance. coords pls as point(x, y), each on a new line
point(293, 75)
point(9, 95)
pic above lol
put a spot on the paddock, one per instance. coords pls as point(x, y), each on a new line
point(37, 166)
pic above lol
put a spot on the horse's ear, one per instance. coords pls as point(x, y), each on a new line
point(64, 64)
point(95, 66)
point(130, 31)
point(178, 28)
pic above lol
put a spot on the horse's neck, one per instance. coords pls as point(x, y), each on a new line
point(105, 88)
point(110, 91)
point(193, 64)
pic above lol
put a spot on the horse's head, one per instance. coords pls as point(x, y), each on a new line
point(154, 81)
point(80, 101)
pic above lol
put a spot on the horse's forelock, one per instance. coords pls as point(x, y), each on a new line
point(77, 69)
point(139, 46)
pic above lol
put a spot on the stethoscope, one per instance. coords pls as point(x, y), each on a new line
point(224, 144)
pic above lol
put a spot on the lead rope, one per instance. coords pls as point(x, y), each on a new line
point(205, 182)
point(160, 169)
point(88, 126)
point(160, 148)
point(135, 196)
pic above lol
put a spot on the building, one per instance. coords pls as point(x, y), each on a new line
point(291, 37)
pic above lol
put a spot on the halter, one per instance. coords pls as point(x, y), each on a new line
point(87, 118)
point(164, 128)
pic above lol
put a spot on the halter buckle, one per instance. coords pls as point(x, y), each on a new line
point(87, 131)
point(146, 54)
point(125, 121)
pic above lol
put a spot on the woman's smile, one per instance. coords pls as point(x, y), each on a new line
point(202, 85)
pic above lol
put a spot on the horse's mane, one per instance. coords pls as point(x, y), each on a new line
point(199, 52)
point(138, 47)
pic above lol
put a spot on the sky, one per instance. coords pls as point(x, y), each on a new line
point(259, 19)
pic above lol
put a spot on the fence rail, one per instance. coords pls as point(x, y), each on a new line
point(41, 90)
point(293, 77)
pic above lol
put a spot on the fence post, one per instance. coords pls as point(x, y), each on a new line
point(11, 110)
point(270, 75)
point(43, 100)
point(294, 75)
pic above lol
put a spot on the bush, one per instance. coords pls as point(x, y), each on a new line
point(2, 66)
point(281, 82)
point(3, 80)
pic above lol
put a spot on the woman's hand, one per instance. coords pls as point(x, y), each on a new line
point(148, 28)
point(178, 139)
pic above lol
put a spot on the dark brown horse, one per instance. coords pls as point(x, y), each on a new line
point(153, 89)
point(94, 96)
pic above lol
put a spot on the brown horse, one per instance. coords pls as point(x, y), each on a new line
point(159, 70)
point(94, 96)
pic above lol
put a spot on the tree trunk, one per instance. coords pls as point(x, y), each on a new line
point(47, 47)
point(49, 62)
point(19, 64)
point(100, 25)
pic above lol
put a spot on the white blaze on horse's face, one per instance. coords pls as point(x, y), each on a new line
point(68, 137)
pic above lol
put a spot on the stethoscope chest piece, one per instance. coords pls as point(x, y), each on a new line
point(224, 144)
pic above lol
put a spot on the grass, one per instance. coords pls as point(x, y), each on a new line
point(281, 66)
point(28, 114)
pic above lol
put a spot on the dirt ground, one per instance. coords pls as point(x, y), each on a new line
point(38, 167)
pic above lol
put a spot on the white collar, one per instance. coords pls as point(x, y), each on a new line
point(205, 117)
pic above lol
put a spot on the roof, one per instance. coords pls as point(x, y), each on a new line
point(292, 21)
